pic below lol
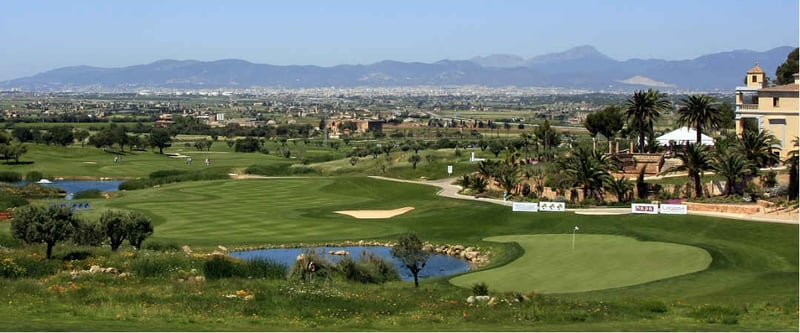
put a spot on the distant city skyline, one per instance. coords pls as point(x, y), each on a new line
point(40, 35)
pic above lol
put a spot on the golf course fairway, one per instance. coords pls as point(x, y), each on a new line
point(550, 265)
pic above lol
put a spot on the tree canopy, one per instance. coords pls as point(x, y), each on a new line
point(784, 73)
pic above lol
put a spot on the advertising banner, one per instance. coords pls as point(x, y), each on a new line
point(547, 206)
point(524, 207)
point(674, 209)
point(644, 208)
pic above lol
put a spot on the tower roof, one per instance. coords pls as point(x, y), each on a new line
point(755, 70)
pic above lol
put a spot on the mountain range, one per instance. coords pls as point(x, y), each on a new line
point(582, 67)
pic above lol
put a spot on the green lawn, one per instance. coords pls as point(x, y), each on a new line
point(551, 265)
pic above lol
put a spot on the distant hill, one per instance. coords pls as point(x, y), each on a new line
point(580, 67)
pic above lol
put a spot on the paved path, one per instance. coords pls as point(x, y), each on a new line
point(448, 189)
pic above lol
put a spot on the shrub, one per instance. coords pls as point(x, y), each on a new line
point(10, 176)
point(300, 270)
point(88, 194)
point(480, 289)
point(10, 200)
point(33, 176)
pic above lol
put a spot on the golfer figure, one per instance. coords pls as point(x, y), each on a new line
point(207, 162)
point(116, 160)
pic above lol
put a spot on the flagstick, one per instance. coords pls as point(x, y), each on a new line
point(574, 230)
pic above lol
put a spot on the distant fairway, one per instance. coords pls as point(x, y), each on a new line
point(549, 264)
point(260, 211)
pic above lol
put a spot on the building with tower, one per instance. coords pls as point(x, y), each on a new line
point(775, 109)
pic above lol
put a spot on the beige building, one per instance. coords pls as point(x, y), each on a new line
point(774, 109)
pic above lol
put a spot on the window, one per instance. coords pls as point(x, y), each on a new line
point(776, 102)
point(755, 78)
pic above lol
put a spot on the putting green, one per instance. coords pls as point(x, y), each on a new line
point(550, 265)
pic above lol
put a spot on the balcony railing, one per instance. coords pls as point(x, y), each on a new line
point(747, 106)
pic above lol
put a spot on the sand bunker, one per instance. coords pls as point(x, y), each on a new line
point(376, 214)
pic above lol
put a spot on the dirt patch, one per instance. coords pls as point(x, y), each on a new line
point(90, 162)
point(376, 214)
point(603, 211)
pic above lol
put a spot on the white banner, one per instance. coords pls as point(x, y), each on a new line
point(674, 209)
point(547, 206)
point(644, 208)
point(524, 207)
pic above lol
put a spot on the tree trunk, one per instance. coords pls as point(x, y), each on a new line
point(49, 250)
point(698, 187)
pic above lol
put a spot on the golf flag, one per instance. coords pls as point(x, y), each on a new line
point(576, 228)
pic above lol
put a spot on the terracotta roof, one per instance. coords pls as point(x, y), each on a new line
point(755, 70)
point(792, 87)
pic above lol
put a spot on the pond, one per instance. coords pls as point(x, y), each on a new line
point(437, 265)
point(74, 186)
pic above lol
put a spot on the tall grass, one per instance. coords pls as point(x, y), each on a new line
point(368, 269)
point(219, 267)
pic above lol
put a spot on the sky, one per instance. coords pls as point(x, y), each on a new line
point(40, 35)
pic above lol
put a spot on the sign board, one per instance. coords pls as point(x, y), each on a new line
point(644, 208)
point(449, 170)
point(547, 206)
point(674, 209)
point(524, 207)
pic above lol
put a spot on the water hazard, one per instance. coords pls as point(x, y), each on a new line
point(437, 264)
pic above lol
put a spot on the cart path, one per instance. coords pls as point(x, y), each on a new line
point(450, 190)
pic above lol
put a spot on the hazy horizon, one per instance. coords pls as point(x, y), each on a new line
point(43, 35)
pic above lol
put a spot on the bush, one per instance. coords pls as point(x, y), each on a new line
point(10, 176)
point(88, 194)
point(11, 200)
point(300, 270)
point(33, 176)
point(480, 289)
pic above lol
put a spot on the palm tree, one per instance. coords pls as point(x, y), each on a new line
point(732, 167)
point(588, 170)
point(700, 112)
point(695, 160)
point(644, 108)
point(757, 147)
point(792, 163)
point(620, 187)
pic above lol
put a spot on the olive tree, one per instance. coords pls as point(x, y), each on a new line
point(40, 224)
point(114, 224)
point(409, 251)
point(137, 227)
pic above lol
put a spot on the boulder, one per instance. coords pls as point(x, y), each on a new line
point(222, 248)
point(95, 269)
point(186, 249)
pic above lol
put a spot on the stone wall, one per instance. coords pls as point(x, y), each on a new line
point(723, 208)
